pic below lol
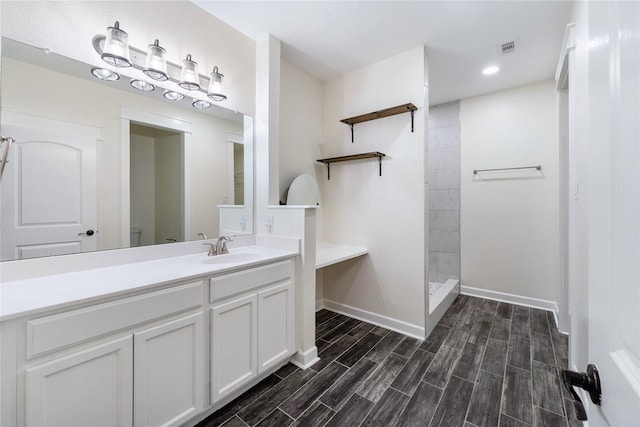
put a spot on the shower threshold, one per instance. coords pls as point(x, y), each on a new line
point(439, 291)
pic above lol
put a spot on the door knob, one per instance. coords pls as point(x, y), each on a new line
point(588, 381)
point(87, 233)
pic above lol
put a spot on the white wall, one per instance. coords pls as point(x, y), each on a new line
point(168, 188)
point(580, 176)
point(142, 181)
point(300, 125)
point(95, 104)
point(384, 213)
point(509, 220)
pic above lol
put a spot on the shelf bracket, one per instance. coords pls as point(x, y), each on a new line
point(328, 171)
point(351, 126)
point(412, 111)
point(380, 165)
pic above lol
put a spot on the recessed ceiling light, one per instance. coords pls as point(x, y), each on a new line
point(490, 70)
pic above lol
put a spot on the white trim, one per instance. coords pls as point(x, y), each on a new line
point(630, 370)
point(305, 359)
point(319, 304)
point(512, 299)
point(153, 119)
point(235, 138)
point(396, 325)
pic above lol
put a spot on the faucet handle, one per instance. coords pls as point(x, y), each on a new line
point(212, 249)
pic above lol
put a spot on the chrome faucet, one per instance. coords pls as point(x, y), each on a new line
point(220, 247)
point(203, 235)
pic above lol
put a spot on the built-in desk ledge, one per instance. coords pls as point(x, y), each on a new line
point(329, 254)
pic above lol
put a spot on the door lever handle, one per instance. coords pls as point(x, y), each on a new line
point(589, 381)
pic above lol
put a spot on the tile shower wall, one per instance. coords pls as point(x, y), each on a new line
point(444, 192)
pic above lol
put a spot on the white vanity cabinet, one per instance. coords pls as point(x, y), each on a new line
point(167, 372)
point(162, 354)
point(134, 361)
point(252, 325)
point(93, 386)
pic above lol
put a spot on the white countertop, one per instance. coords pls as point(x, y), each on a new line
point(328, 254)
point(24, 297)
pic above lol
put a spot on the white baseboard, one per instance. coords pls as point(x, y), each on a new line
point(319, 304)
point(305, 359)
point(512, 299)
point(396, 325)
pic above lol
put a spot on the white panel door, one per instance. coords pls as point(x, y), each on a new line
point(93, 387)
point(233, 345)
point(275, 325)
point(49, 193)
point(168, 368)
point(614, 210)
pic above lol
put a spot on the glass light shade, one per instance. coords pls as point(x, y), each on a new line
point(142, 85)
point(172, 95)
point(116, 47)
point(216, 87)
point(156, 66)
point(199, 104)
point(104, 74)
point(189, 78)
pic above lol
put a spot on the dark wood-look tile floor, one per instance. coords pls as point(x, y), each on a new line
point(485, 364)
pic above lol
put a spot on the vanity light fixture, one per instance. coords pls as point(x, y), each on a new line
point(116, 47)
point(142, 85)
point(104, 74)
point(199, 104)
point(156, 66)
point(490, 70)
point(189, 78)
point(216, 88)
point(172, 95)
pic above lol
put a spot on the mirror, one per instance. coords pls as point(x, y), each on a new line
point(99, 165)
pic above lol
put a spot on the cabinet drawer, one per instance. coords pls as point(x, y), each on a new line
point(241, 281)
point(53, 332)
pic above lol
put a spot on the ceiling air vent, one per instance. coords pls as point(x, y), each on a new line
point(507, 47)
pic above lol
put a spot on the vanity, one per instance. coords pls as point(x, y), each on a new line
point(152, 342)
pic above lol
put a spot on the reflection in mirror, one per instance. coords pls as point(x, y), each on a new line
point(238, 174)
point(155, 183)
point(85, 175)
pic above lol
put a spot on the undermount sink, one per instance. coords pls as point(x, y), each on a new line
point(231, 258)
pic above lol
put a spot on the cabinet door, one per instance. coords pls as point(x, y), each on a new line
point(275, 325)
point(92, 387)
point(168, 368)
point(233, 345)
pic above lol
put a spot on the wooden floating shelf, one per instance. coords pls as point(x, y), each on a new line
point(371, 155)
point(400, 109)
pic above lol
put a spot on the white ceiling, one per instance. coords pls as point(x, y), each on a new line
point(329, 38)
